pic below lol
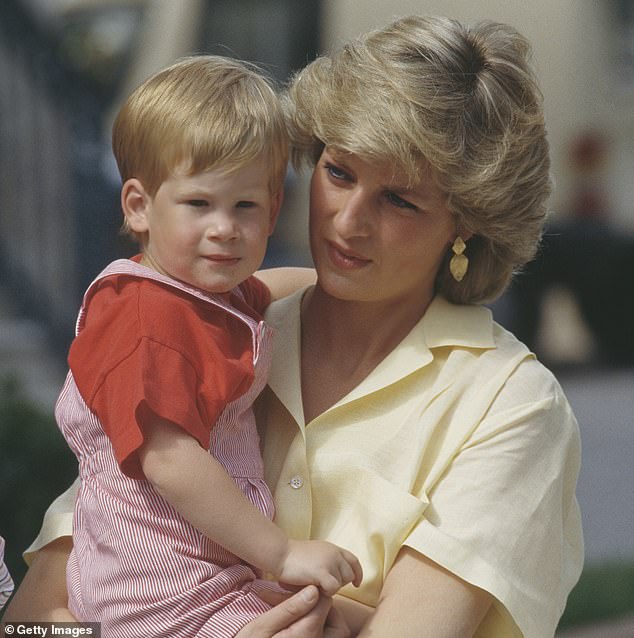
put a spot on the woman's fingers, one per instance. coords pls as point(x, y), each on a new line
point(301, 616)
point(336, 626)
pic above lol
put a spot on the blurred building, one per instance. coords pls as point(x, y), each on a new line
point(65, 67)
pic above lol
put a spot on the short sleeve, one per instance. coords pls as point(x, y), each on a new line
point(504, 516)
point(154, 380)
point(147, 351)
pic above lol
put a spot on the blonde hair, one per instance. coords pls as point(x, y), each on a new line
point(205, 112)
point(428, 91)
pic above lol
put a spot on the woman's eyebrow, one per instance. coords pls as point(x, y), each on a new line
point(403, 187)
point(334, 156)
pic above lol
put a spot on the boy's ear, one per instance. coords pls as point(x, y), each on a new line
point(276, 204)
point(135, 203)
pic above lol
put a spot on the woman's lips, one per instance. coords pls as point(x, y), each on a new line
point(344, 258)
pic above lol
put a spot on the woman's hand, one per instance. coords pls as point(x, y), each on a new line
point(306, 614)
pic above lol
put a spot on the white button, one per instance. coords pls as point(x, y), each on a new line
point(296, 482)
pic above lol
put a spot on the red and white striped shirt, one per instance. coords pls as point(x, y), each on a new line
point(147, 344)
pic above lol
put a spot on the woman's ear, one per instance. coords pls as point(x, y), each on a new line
point(464, 233)
point(136, 205)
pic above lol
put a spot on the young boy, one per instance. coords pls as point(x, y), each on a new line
point(170, 353)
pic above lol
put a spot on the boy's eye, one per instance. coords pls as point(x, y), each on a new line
point(197, 203)
point(399, 202)
point(245, 204)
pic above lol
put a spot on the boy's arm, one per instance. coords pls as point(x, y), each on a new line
point(199, 488)
point(285, 281)
point(42, 595)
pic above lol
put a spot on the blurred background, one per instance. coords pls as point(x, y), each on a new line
point(66, 66)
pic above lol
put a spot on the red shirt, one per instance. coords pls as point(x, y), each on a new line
point(149, 350)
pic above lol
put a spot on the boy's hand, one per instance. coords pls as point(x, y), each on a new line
point(320, 563)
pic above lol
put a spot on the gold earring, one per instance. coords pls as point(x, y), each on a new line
point(459, 263)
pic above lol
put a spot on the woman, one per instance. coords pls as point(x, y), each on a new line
point(400, 421)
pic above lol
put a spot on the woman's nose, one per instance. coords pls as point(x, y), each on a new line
point(353, 216)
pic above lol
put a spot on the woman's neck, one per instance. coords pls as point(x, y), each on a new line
point(343, 341)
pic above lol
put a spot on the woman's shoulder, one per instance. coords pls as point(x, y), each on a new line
point(530, 369)
point(528, 391)
point(472, 335)
point(528, 378)
point(497, 364)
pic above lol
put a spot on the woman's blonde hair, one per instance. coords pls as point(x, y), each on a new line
point(428, 91)
point(206, 112)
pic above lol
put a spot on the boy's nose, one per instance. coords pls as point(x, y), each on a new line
point(222, 227)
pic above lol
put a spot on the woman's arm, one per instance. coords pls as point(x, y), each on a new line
point(355, 614)
point(42, 595)
point(197, 485)
point(285, 281)
point(420, 598)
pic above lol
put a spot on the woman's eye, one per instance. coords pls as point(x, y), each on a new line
point(399, 202)
point(336, 172)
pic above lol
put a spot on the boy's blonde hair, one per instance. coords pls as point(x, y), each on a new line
point(205, 112)
point(428, 91)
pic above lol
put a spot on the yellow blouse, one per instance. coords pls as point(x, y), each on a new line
point(459, 445)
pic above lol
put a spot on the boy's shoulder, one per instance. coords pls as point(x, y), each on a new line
point(125, 314)
point(130, 308)
point(138, 306)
